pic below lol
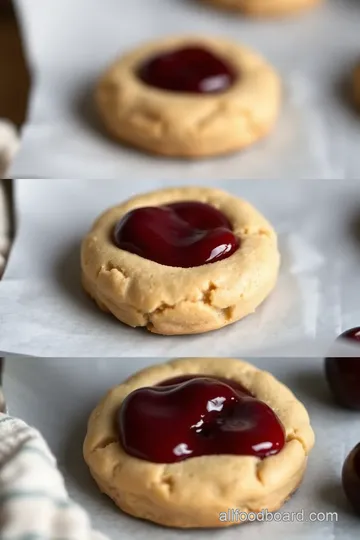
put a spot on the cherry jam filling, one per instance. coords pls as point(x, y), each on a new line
point(185, 378)
point(189, 69)
point(197, 416)
point(183, 234)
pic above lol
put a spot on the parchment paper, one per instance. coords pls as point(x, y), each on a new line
point(69, 43)
point(57, 397)
point(44, 312)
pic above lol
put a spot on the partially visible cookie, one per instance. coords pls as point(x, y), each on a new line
point(194, 491)
point(189, 97)
point(260, 8)
point(356, 86)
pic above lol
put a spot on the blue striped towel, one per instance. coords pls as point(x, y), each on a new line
point(34, 503)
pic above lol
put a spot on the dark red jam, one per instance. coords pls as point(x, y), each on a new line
point(184, 378)
point(351, 478)
point(190, 69)
point(197, 416)
point(183, 234)
point(343, 374)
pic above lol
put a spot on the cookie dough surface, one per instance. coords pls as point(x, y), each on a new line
point(194, 492)
point(168, 300)
point(265, 7)
point(189, 125)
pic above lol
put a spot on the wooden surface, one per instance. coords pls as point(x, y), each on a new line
point(14, 78)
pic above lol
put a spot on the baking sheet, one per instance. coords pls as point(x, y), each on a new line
point(69, 43)
point(71, 388)
point(44, 312)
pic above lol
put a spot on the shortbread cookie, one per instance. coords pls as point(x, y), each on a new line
point(260, 8)
point(189, 97)
point(356, 86)
point(180, 261)
point(241, 442)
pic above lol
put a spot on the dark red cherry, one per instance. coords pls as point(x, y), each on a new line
point(190, 69)
point(201, 416)
point(353, 334)
point(351, 478)
point(343, 377)
point(183, 234)
point(343, 374)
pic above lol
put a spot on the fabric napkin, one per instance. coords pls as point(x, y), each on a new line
point(34, 503)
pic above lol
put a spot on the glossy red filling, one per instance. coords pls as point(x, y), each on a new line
point(182, 234)
point(185, 378)
point(190, 69)
point(197, 416)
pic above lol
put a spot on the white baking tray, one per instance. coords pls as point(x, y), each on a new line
point(70, 43)
point(44, 312)
point(58, 395)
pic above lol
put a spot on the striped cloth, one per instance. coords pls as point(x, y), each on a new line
point(9, 143)
point(34, 503)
